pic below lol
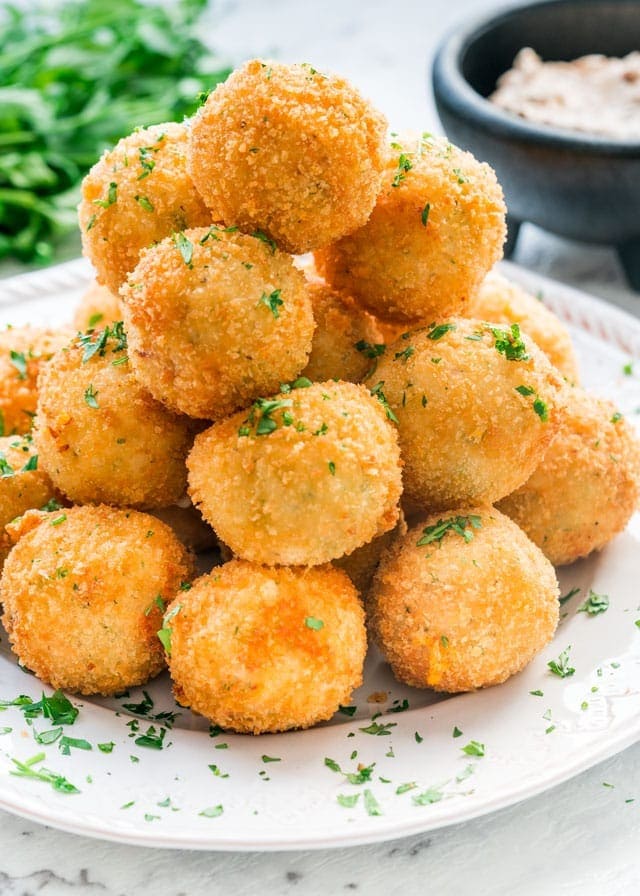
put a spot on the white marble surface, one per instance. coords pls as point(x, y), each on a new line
point(580, 839)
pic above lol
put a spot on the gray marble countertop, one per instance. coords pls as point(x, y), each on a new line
point(580, 839)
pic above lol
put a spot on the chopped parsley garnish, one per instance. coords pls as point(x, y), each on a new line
point(569, 595)
point(99, 346)
point(617, 417)
point(460, 525)
point(405, 354)
point(371, 804)
point(595, 604)
point(106, 747)
point(91, 396)
point(265, 423)
point(404, 788)
point(539, 406)
point(399, 707)
point(379, 394)
point(78, 743)
point(164, 634)
point(259, 235)
point(628, 368)
point(427, 797)
point(438, 331)
point(404, 164)
point(212, 812)
point(144, 203)
point(266, 758)
point(424, 214)
point(462, 178)
point(332, 468)
point(184, 246)
point(379, 729)
point(59, 520)
point(31, 464)
point(272, 301)
point(348, 802)
point(418, 738)
point(5, 467)
point(361, 776)
point(525, 390)
point(348, 710)
point(537, 693)
point(456, 732)
point(473, 748)
point(19, 361)
point(561, 666)
point(370, 349)
point(57, 708)
point(112, 196)
point(509, 343)
point(313, 623)
point(152, 738)
point(26, 770)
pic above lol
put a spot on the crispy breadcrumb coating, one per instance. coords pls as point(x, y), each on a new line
point(97, 308)
point(586, 487)
point(214, 319)
point(300, 479)
point(23, 352)
point(437, 228)
point(476, 405)
point(101, 436)
point(361, 565)
point(504, 302)
point(463, 601)
point(258, 649)
point(289, 151)
point(83, 596)
point(346, 340)
point(23, 483)
point(135, 195)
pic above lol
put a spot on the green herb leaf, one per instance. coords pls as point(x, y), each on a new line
point(427, 797)
point(437, 332)
point(212, 812)
point(473, 748)
point(561, 666)
point(424, 214)
point(184, 246)
point(459, 525)
point(348, 802)
point(371, 804)
point(315, 624)
point(595, 604)
point(90, 396)
point(272, 301)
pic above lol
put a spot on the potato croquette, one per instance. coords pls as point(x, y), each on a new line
point(587, 486)
point(289, 151)
point(100, 436)
point(299, 479)
point(463, 601)
point(84, 593)
point(346, 340)
point(23, 352)
point(98, 308)
point(503, 302)
point(437, 228)
point(214, 319)
point(259, 649)
point(22, 484)
point(135, 195)
point(476, 405)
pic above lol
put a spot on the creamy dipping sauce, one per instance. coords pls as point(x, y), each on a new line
point(594, 94)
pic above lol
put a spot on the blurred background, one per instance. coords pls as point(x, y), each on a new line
point(74, 76)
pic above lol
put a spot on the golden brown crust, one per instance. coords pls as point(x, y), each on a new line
point(79, 593)
point(97, 308)
point(587, 486)
point(455, 615)
point(290, 151)
point(101, 436)
point(153, 197)
point(323, 482)
point(259, 649)
point(23, 353)
point(208, 336)
point(345, 339)
point(437, 228)
point(466, 434)
point(503, 302)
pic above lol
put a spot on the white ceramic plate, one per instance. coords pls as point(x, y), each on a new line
point(156, 798)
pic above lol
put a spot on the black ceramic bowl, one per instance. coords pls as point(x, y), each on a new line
point(579, 186)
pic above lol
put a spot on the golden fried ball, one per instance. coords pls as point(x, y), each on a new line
point(503, 302)
point(586, 487)
point(135, 195)
point(437, 228)
point(346, 341)
point(101, 436)
point(214, 319)
point(98, 308)
point(299, 479)
point(463, 601)
point(23, 352)
point(259, 649)
point(23, 484)
point(289, 151)
point(83, 594)
point(472, 424)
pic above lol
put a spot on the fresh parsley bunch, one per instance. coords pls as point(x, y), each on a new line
point(76, 76)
